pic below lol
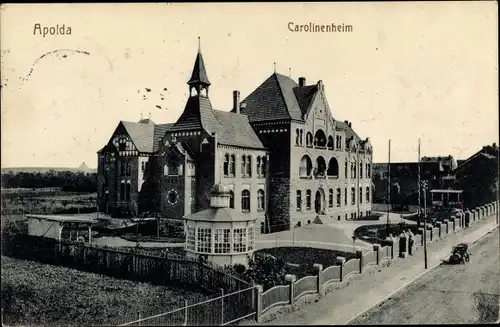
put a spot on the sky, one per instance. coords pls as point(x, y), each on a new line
point(407, 70)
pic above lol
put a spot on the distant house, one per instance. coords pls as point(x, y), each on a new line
point(478, 176)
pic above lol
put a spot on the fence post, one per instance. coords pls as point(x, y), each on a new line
point(376, 247)
point(438, 225)
point(340, 262)
point(319, 268)
point(222, 307)
point(359, 255)
point(291, 279)
point(258, 302)
point(185, 313)
point(421, 233)
point(390, 240)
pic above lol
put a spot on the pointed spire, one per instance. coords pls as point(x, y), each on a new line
point(199, 75)
point(290, 72)
point(275, 67)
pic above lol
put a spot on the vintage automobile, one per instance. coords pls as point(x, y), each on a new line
point(460, 254)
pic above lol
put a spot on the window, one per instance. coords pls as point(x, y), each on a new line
point(122, 168)
point(232, 165)
point(367, 196)
point(122, 191)
point(260, 200)
point(330, 198)
point(360, 195)
point(127, 194)
point(226, 165)
point(353, 195)
point(128, 171)
point(330, 142)
point(243, 165)
point(305, 167)
point(172, 197)
point(368, 171)
point(258, 166)
point(245, 201)
point(173, 166)
point(345, 196)
point(299, 200)
point(308, 200)
point(251, 238)
point(231, 199)
point(309, 139)
point(345, 168)
point(297, 137)
point(262, 171)
point(360, 170)
point(142, 166)
point(249, 166)
point(239, 240)
point(354, 169)
point(165, 170)
point(301, 137)
point(190, 239)
point(222, 243)
point(339, 196)
point(204, 240)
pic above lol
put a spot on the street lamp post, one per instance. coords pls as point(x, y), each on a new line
point(424, 189)
point(354, 243)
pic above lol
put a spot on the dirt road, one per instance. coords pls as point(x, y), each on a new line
point(450, 294)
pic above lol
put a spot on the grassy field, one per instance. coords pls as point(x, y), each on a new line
point(38, 294)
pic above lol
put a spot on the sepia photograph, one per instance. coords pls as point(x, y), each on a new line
point(194, 164)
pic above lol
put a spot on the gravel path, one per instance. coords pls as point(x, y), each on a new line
point(450, 294)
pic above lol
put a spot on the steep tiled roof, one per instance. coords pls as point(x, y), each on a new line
point(349, 132)
point(235, 129)
point(199, 74)
point(273, 99)
point(141, 134)
point(159, 132)
point(197, 114)
point(305, 95)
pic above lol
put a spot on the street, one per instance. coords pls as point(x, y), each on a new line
point(450, 294)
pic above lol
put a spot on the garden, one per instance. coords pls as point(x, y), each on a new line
point(268, 267)
point(378, 233)
point(40, 294)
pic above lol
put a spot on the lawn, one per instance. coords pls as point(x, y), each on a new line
point(39, 294)
point(378, 233)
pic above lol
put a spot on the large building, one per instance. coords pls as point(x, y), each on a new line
point(285, 159)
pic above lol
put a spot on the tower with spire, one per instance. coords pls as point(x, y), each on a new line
point(199, 80)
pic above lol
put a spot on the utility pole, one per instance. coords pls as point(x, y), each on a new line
point(498, 184)
point(424, 188)
point(419, 195)
point(388, 190)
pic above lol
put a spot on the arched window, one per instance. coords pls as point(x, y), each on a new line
point(249, 166)
point(367, 196)
point(320, 138)
point(258, 166)
point(305, 168)
point(299, 200)
point(330, 198)
point(339, 195)
point(330, 142)
point(127, 194)
point(345, 168)
point(361, 170)
point(231, 199)
point(345, 196)
point(309, 139)
point(245, 201)
point(360, 195)
point(243, 165)
point(299, 224)
point(173, 166)
point(308, 200)
point(353, 195)
point(297, 137)
point(263, 167)
point(122, 191)
point(260, 200)
point(165, 170)
point(368, 170)
point(333, 168)
point(226, 165)
point(354, 169)
point(232, 165)
point(320, 167)
point(301, 136)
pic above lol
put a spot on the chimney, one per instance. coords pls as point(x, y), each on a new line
point(236, 101)
point(302, 81)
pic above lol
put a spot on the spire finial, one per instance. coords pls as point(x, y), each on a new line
point(199, 44)
point(275, 67)
point(290, 72)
